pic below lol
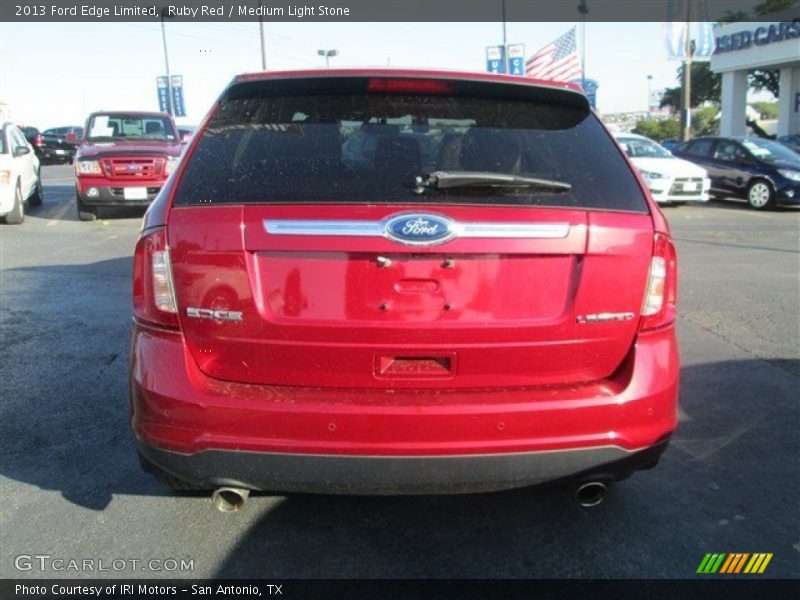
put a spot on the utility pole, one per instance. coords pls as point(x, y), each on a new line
point(505, 46)
point(170, 107)
point(583, 10)
point(686, 113)
point(649, 95)
point(263, 38)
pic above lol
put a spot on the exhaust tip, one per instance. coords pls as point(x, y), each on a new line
point(590, 493)
point(229, 499)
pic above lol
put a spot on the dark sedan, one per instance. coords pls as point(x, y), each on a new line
point(50, 146)
point(793, 141)
point(763, 172)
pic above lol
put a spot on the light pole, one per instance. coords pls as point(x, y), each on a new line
point(583, 10)
point(505, 45)
point(649, 94)
point(170, 108)
point(263, 39)
point(327, 54)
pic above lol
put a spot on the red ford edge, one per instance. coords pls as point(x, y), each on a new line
point(382, 281)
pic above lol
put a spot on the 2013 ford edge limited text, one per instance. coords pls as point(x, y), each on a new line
point(375, 281)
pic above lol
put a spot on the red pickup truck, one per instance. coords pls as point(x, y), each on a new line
point(124, 159)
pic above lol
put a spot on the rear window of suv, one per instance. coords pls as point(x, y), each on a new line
point(345, 147)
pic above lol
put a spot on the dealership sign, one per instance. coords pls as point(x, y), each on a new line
point(496, 59)
point(759, 36)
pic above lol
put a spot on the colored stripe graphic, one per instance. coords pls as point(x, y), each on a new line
point(711, 563)
point(734, 562)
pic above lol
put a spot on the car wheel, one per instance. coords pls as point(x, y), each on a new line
point(38, 193)
point(17, 214)
point(86, 213)
point(760, 195)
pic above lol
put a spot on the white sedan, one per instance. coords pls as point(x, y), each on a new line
point(20, 180)
point(669, 178)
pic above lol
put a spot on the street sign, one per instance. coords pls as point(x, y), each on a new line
point(495, 59)
point(516, 59)
point(589, 88)
point(163, 94)
point(177, 96)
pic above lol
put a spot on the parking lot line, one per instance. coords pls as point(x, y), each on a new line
point(60, 214)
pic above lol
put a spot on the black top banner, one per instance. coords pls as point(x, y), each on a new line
point(398, 10)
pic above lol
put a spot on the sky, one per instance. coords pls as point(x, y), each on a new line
point(55, 74)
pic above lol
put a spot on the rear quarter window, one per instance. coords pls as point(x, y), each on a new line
point(699, 147)
point(369, 148)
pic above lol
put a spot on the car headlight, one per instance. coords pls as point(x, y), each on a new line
point(5, 177)
point(172, 162)
point(790, 175)
point(652, 175)
point(88, 167)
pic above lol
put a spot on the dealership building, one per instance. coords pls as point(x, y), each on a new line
point(744, 46)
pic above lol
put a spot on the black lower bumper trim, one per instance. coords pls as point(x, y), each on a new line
point(391, 475)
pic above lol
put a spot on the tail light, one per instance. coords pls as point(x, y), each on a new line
point(38, 141)
point(153, 289)
point(658, 309)
point(409, 86)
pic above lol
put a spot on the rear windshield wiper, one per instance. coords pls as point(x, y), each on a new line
point(443, 180)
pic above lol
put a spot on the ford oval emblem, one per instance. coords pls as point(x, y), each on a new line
point(420, 229)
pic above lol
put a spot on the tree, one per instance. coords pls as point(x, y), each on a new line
point(660, 129)
point(706, 87)
point(764, 79)
point(705, 121)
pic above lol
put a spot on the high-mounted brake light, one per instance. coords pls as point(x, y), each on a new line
point(658, 309)
point(410, 86)
point(153, 290)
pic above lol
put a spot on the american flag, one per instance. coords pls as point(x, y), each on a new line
point(557, 61)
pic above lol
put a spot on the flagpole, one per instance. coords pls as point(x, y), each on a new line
point(505, 47)
point(583, 10)
point(686, 129)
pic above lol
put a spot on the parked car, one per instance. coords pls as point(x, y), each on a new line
point(669, 143)
point(124, 159)
point(72, 133)
point(670, 179)
point(20, 181)
point(33, 137)
point(497, 315)
point(763, 172)
point(792, 141)
point(48, 146)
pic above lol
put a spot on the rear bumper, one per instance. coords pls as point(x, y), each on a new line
point(283, 438)
point(311, 473)
point(62, 154)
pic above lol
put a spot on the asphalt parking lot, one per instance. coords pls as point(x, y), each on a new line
point(72, 488)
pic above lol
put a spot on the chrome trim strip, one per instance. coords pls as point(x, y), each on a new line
point(323, 227)
point(334, 227)
point(515, 230)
